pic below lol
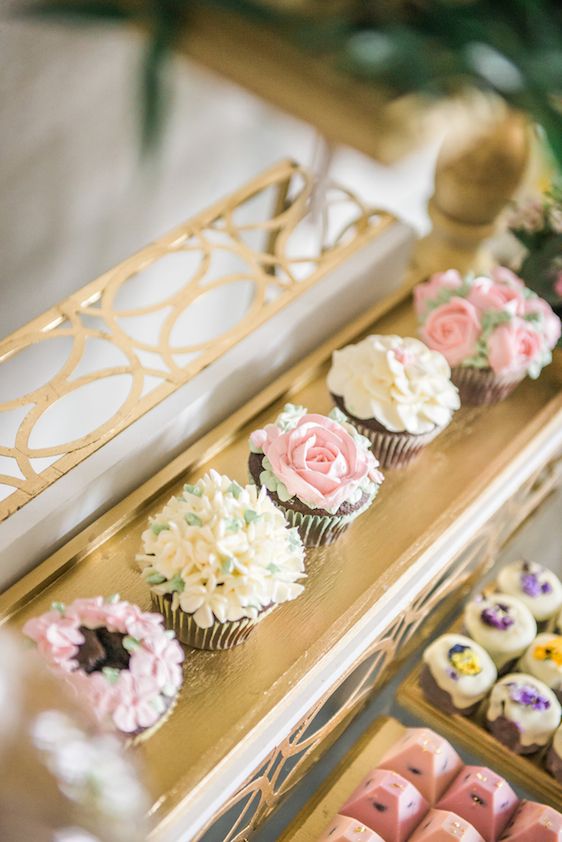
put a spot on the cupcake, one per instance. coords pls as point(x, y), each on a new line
point(457, 674)
point(120, 660)
point(502, 625)
point(492, 330)
point(319, 471)
point(396, 392)
point(536, 586)
point(554, 756)
point(219, 558)
point(523, 713)
point(543, 660)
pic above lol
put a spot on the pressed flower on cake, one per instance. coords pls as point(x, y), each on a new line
point(318, 470)
point(217, 558)
point(396, 391)
point(121, 659)
point(492, 329)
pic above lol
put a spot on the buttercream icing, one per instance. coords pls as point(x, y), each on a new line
point(460, 667)
point(223, 552)
point(543, 660)
point(396, 380)
point(529, 704)
point(536, 586)
point(502, 624)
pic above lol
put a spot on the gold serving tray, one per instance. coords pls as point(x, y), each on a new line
point(365, 755)
point(227, 696)
point(470, 733)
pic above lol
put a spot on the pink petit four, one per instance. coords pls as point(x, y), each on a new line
point(482, 798)
point(534, 823)
point(344, 829)
point(442, 826)
point(426, 760)
point(387, 803)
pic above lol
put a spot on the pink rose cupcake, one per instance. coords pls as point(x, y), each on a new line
point(319, 471)
point(396, 392)
point(492, 330)
point(121, 660)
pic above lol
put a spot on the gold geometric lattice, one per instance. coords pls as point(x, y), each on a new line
point(76, 376)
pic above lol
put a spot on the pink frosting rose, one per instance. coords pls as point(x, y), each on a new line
point(427, 292)
point(485, 294)
point(550, 321)
point(513, 346)
point(453, 329)
point(318, 461)
point(57, 637)
point(503, 275)
point(135, 703)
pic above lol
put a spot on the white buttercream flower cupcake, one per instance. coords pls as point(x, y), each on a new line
point(218, 558)
point(395, 391)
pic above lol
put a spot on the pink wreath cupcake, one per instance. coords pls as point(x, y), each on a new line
point(492, 330)
point(318, 470)
point(119, 658)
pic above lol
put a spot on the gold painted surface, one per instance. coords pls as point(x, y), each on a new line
point(367, 752)
point(227, 694)
point(470, 733)
point(254, 237)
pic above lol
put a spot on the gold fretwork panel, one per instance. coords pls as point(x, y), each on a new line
point(325, 721)
point(123, 343)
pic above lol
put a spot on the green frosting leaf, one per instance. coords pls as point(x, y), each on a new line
point(157, 528)
point(111, 600)
point(235, 489)
point(176, 584)
point(111, 674)
point(228, 565)
point(234, 524)
point(193, 520)
point(131, 644)
point(58, 606)
point(155, 578)
point(250, 516)
point(273, 568)
point(192, 489)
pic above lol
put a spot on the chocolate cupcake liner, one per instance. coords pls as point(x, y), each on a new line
point(482, 386)
point(395, 450)
point(215, 638)
point(320, 530)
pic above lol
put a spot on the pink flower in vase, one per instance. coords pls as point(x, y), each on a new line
point(453, 329)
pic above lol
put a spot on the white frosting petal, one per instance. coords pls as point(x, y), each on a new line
point(536, 726)
point(503, 644)
point(536, 586)
point(464, 690)
point(224, 549)
point(398, 381)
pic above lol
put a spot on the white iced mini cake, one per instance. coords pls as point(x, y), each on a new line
point(502, 624)
point(536, 586)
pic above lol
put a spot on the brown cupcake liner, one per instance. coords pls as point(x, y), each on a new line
point(482, 386)
point(217, 637)
point(321, 530)
point(395, 450)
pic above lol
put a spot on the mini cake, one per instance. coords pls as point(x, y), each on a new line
point(425, 759)
point(536, 586)
point(492, 330)
point(523, 713)
point(218, 558)
point(395, 391)
point(319, 471)
point(344, 829)
point(457, 674)
point(554, 756)
point(388, 804)
point(483, 799)
point(534, 823)
point(543, 660)
point(502, 625)
point(444, 826)
point(119, 658)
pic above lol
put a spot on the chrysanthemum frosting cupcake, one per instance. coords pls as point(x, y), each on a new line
point(523, 713)
point(319, 471)
point(395, 391)
point(543, 660)
point(457, 674)
point(119, 658)
point(502, 625)
point(493, 330)
point(537, 587)
point(218, 558)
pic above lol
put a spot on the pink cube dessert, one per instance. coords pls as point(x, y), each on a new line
point(482, 798)
point(387, 803)
point(426, 760)
point(442, 826)
point(534, 823)
point(344, 829)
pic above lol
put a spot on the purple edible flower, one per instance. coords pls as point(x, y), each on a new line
point(497, 616)
point(529, 696)
point(452, 674)
point(531, 585)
